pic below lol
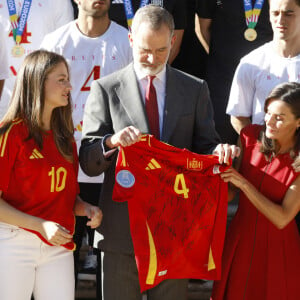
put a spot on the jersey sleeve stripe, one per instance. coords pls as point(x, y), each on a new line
point(1, 139)
point(4, 137)
point(152, 258)
point(123, 163)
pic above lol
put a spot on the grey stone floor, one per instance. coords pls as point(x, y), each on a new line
point(197, 289)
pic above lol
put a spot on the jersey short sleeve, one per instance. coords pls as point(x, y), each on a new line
point(205, 8)
point(241, 97)
point(10, 143)
point(179, 14)
point(3, 56)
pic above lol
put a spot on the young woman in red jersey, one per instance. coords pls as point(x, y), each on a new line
point(38, 184)
point(261, 257)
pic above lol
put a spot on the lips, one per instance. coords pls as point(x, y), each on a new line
point(97, 3)
point(281, 28)
point(270, 130)
point(150, 66)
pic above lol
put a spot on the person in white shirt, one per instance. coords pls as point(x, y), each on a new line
point(38, 19)
point(3, 60)
point(94, 46)
point(265, 67)
point(262, 69)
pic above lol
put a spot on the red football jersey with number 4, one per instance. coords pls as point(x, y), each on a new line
point(177, 206)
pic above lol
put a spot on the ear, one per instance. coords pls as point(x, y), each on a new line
point(173, 39)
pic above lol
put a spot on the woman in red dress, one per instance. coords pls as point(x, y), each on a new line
point(261, 258)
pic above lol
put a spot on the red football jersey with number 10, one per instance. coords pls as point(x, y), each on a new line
point(177, 206)
point(39, 182)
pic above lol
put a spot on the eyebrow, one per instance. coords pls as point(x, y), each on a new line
point(285, 11)
point(64, 75)
point(280, 114)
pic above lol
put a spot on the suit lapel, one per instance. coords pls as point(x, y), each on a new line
point(173, 105)
point(130, 97)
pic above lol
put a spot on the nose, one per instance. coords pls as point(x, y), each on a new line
point(280, 18)
point(68, 85)
point(151, 58)
point(269, 120)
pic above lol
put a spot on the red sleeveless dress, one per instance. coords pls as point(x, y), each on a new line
point(260, 262)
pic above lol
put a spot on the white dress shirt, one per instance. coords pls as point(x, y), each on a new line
point(159, 83)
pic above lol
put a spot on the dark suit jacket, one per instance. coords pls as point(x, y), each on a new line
point(115, 102)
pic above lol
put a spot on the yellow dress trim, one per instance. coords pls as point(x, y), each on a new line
point(211, 262)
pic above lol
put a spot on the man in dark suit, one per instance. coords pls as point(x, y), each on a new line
point(116, 114)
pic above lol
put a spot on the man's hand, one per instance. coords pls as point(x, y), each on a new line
point(226, 151)
point(94, 215)
point(125, 137)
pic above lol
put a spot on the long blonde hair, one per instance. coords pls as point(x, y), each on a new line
point(28, 101)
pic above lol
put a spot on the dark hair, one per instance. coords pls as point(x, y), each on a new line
point(28, 101)
point(155, 16)
point(289, 93)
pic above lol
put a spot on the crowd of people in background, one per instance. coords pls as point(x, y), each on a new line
point(76, 82)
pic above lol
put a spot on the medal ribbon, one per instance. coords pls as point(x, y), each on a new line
point(129, 10)
point(252, 15)
point(18, 27)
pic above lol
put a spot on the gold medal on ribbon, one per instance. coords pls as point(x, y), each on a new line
point(17, 51)
point(250, 34)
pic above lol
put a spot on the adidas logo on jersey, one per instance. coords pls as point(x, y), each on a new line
point(35, 154)
point(152, 165)
point(117, 2)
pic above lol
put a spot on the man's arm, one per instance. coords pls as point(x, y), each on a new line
point(241, 97)
point(205, 12)
point(238, 123)
point(4, 69)
point(92, 159)
point(179, 12)
point(1, 86)
point(203, 31)
point(96, 126)
point(176, 46)
point(205, 138)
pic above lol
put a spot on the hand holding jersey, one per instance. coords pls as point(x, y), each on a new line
point(131, 135)
point(226, 151)
point(125, 137)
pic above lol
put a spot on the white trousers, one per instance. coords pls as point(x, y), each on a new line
point(28, 265)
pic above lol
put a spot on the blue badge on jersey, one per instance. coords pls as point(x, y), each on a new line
point(125, 179)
